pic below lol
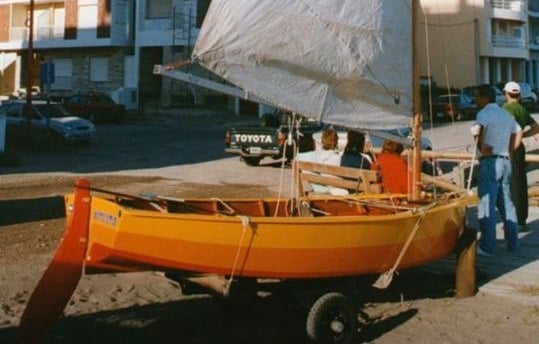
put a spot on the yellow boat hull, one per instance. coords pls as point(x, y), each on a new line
point(127, 239)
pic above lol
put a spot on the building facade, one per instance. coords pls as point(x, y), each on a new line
point(166, 32)
point(112, 46)
point(470, 42)
point(102, 45)
point(90, 43)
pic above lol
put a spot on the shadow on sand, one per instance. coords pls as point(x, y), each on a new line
point(28, 210)
point(277, 315)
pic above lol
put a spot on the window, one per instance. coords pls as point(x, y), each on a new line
point(87, 21)
point(158, 9)
point(59, 22)
point(99, 69)
point(519, 32)
point(63, 70)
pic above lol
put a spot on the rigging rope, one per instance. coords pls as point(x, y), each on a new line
point(283, 161)
point(427, 26)
point(244, 223)
point(472, 165)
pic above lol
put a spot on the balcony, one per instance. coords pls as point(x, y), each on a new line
point(509, 46)
point(533, 9)
point(40, 34)
point(49, 32)
point(513, 5)
point(534, 42)
point(18, 34)
point(500, 41)
point(509, 9)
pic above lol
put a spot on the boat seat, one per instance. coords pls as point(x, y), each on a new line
point(354, 180)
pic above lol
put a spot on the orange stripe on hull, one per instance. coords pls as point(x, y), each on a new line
point(274, 262)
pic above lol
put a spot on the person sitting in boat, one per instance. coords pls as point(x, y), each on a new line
point(392, 168)
point(431, 166)
point(353, 155)
point(327, 154)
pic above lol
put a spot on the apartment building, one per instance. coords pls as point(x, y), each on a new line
point(90, 43)
point(533, 35)
point(468, 42)
point(166, 32)
point(102, 45)
point(112, 45)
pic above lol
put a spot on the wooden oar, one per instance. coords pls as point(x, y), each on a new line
point(442, 183)
point(153, 197)
point(59, 281)
point(384, 280)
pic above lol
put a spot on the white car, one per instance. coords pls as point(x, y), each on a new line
point(48, 116)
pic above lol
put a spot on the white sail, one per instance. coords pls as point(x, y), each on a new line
point(344, 62)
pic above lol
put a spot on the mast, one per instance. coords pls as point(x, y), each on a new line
point(416, 125)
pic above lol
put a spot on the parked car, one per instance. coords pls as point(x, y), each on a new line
point(454, 107)
point(47, 118)
point(96, 107)
point(500, 96)
point(527, 97)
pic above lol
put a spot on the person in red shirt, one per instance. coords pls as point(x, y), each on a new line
point(392, 168)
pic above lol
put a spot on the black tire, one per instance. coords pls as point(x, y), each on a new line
point(332, 319)
point(252, 161)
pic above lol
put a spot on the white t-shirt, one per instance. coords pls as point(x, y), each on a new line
point(498, 125)
point(328, 157)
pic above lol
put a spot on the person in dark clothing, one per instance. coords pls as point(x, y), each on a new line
point(353, 155)
point(519, 179)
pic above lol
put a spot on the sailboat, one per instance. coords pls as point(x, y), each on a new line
point(347, 63)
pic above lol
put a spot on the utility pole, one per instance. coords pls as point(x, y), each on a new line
point(30, 66)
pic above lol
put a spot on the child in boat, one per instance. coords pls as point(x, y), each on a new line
point(327, 154)
point(353, 155)
point(392, 168)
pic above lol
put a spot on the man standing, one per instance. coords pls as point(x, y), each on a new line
point(519, 178)
point(497, 135)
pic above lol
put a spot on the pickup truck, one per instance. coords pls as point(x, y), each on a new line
point(269, 139)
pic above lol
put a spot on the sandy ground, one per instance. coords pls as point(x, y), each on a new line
point(149, 308)
point(419, 307)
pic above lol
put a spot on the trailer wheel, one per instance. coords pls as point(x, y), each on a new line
point(252, 161)
point(332, 319)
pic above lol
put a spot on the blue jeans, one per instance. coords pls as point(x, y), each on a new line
point(494, 192)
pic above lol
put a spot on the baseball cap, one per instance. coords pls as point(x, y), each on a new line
point(512, 87)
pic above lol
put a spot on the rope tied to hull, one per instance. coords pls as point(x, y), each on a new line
point(228, 283)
